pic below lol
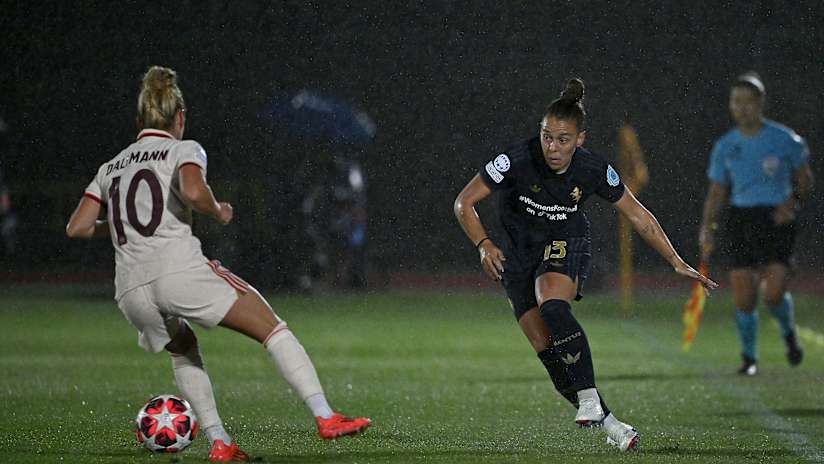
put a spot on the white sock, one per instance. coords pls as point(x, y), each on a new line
point(610, 421)
point(295, 366)
point(589, 393)
point(217, 432)
point(319, 406)
point(196, 388)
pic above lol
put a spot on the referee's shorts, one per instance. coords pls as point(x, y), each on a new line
point(753, 239)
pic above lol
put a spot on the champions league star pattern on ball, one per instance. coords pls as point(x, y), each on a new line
point(166, 424)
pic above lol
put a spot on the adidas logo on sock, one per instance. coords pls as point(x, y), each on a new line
point(569, 359)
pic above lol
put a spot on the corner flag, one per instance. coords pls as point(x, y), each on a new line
point(694, 310)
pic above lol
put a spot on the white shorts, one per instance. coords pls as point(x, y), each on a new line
point(203, 295)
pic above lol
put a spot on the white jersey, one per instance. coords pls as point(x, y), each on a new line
point(149, 222)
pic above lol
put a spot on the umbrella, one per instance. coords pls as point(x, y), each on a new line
point(308, 115)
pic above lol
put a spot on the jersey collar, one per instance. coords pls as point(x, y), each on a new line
point(154, 133)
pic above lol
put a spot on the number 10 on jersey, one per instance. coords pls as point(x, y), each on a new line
point(146, 230)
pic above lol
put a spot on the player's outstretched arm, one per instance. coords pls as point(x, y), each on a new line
point(492, 257)
point(648, 227)
point(197, 193)
point(84, 222)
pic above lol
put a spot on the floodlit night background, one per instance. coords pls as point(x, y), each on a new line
point(445, 85)
point(342, 132)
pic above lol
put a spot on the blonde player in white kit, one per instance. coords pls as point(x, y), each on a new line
point(163, 280)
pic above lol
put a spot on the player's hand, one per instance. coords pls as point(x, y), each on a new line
point(226, 213)
point(686, 270)
point(492, 259)
point(784, 213)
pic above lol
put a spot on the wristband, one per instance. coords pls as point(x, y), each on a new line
point(478, 246)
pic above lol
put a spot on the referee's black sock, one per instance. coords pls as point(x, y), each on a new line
point(570, 343)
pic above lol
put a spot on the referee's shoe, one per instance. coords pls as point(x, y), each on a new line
point(748, 366)
point(794, 352)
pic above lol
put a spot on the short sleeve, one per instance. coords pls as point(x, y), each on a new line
point(717, 170)
point(497, 173)
point(95, 191)
point(609, 187)
point(799, 152)
point(190, 152)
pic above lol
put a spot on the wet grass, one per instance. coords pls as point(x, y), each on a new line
point(445, 377)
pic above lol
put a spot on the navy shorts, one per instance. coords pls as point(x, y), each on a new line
point(570, 257)
point(753, 239)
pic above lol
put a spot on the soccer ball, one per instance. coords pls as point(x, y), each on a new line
point(166, 424)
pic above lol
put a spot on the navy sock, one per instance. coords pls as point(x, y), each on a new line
point(570, 343)
point(555, 369)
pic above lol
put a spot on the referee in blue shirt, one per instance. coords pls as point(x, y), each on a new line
point(762, 168)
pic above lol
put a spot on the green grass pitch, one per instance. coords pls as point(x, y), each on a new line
point(446, 377)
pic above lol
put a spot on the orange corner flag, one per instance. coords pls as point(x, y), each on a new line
point(694, 310)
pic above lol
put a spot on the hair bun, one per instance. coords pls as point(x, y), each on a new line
point(574, 91)
point(158, 78)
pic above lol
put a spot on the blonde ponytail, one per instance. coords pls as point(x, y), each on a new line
point(160, 99)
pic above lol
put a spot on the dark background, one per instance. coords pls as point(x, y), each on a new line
point(448, 84)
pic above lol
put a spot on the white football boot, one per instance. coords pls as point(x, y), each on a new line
point(620, 435)
point(590, 413)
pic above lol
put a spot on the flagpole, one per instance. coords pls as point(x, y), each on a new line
point(635, 175)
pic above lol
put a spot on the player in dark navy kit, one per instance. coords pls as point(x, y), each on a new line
point(545, 252)
point(763, 167)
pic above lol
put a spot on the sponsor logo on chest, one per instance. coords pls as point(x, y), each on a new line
point(549, 212)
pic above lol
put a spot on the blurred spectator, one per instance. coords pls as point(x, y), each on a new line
point(333, 203)
point(334, 221)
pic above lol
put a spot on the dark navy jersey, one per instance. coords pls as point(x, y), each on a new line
point(536, 204)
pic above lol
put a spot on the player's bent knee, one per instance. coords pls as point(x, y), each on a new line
point(252, 316)
point(281, 328)
point(183, 341)
point(557, 314)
